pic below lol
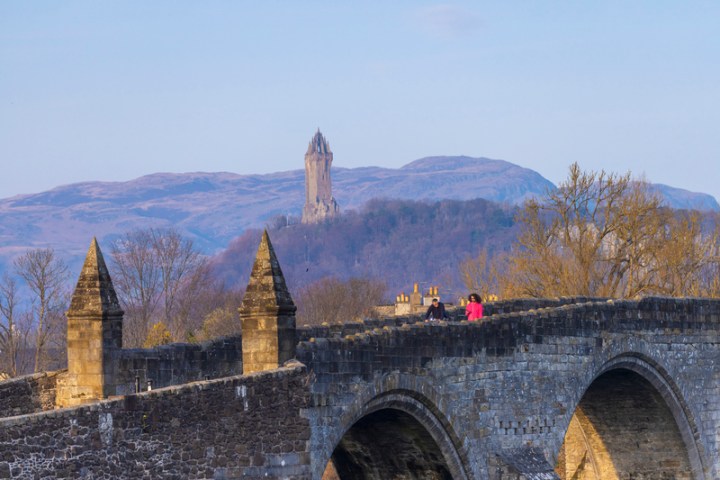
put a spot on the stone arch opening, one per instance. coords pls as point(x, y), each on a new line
point(628, 424)
point(396, 438)
point(389, 444)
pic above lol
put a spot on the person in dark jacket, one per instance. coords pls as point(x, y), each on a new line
point(436, 311)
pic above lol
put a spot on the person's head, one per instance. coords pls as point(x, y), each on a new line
point(474, 297)
point(435, 302)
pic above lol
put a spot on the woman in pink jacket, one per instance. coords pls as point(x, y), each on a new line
point(474, 309)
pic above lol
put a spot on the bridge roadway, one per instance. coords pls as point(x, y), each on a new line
point(593, 390)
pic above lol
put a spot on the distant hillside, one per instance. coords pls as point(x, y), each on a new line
point(438, 178)
point(397, 241)
point(685, 199)
point(214, 208)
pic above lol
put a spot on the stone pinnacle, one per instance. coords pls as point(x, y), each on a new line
point(94, 293)
point(266, 290)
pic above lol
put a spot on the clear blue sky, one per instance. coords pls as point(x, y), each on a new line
point(113, 90)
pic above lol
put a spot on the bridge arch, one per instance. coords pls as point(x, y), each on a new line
point(631, 419)
point(397, 432)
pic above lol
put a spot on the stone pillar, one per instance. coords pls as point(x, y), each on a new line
point(415, 297)
point(267, 313)
point(94, 335)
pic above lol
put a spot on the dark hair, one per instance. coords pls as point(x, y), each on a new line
point(435, 300)
point(476, 297)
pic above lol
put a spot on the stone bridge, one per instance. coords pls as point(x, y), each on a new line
point(569, 388)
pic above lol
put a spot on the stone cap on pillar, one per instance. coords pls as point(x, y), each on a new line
point(94, 293)
point(318, 144)
point(266, 291)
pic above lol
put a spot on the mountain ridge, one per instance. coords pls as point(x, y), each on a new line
point(212, 208)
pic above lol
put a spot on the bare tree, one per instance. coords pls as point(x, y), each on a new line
point(14, 329)
point(685, 256)
point(331, 300)
point(191, 303)
point(710, 273)
point(631, 255)
point(601, 234)
point(46, 276)
point(136, 277)
point(481, 275)
point(221, 316)
point(158, 276)
point(566, 234)
point(183, 273)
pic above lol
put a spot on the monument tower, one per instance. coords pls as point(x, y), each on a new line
point(319, 202)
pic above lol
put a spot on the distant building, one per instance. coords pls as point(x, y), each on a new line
point(319, 202)
point(416, 302)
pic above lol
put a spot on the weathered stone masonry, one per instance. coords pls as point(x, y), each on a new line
point(267, 313)
point(496, 397)
point(94, 335)
point(28, 394)
point(506, 389)
point(244, 426)
point(580, 388)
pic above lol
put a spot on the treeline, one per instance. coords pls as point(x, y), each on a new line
point(605, 235)
point(34, 295)
point(396, 242)
point(162, 281)
point(598, 234)
point(167, 290)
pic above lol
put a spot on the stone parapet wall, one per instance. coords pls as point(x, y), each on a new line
point(526, 304)
point(340, 330)
point(517, 378)
point(164, 366)
point(499, 393)
point(28, 394)
point(236, 427)
point(527, 321)
point(178, 363)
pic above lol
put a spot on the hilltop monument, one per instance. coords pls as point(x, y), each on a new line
point(319, 202)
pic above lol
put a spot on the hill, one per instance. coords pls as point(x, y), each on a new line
point(681, 199)
point(214, 208)
point(397, 241)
